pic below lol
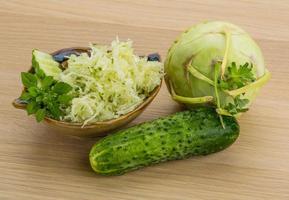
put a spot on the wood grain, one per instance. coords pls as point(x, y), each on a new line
point(36, 163)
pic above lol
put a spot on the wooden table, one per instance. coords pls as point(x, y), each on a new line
point(36, 163)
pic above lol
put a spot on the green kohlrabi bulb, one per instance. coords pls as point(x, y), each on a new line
point(218, 63)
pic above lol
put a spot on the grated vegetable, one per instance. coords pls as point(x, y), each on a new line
point(109, 82)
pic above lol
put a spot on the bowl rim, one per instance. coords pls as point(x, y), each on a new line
point(141, 106)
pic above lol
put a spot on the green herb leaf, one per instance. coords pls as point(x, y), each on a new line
point(25, 96)
point(33, 91)
point(39, 72)
point(32, 107)
point(54, 110)
point(40, 114)
point(65, 98)
point(39, 98)
point(62, 88)
point(237, 77)
point(241, 102)
point(239, 105)
point(45, 95)
point(28, 79)
point(47, 81)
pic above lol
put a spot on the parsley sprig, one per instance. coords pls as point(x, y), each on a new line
point(234, 78)
point(238, 105)
point(44, 95)
point(237, 77)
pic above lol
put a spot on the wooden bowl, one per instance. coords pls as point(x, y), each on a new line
point(94, 129)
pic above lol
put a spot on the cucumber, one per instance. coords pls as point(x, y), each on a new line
point(184, 134)
point(46, 63)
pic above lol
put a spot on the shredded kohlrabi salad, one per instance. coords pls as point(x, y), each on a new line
point(109, 82)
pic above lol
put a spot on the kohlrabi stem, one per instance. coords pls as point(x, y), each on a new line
point(195, 100)
point(216, 75)
point(254, 85)
point(227, 34)
point(221, 111)
point(190, 100)
point(199, 75)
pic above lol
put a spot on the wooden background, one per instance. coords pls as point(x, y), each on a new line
point(36, 163)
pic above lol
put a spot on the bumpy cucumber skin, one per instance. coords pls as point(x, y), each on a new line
point(181, 135)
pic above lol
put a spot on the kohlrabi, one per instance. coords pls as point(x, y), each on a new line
point(215, 63)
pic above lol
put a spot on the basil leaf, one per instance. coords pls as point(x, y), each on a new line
point(25, 96)
point(65, 98)
point(28, 79)
point(47, 81)
point(39, 99)
point(39, 72)
point(31, 108)
point(55, 111)
point(33, 91)
point(40, 114)
point(62, 88)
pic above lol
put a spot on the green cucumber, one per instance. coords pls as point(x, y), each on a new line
point(46, 63)
point(184, 134)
